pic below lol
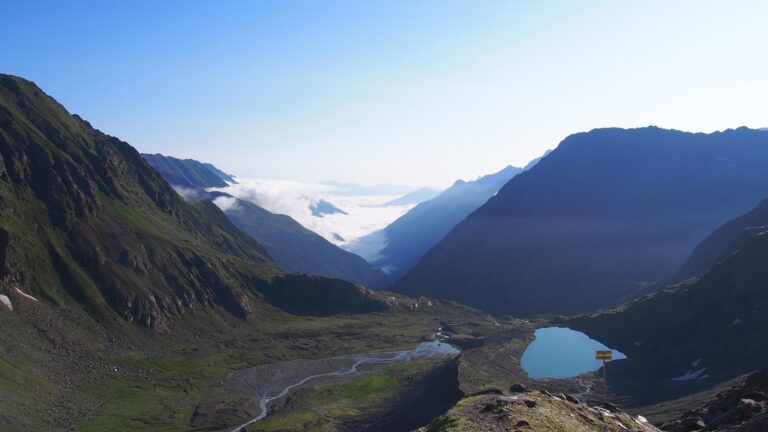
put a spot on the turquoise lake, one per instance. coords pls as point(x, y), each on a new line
point(561, 353)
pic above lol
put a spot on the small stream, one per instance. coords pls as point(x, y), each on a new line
point(286, 375)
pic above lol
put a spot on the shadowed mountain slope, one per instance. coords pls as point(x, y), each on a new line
point(413, 234)
point(606, 214)
point(691, 336)
point(725, 241)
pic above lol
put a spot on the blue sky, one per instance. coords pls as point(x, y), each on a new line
point(410, 92)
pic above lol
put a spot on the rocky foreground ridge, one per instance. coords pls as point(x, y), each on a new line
point(743, 407)
point(522, 409)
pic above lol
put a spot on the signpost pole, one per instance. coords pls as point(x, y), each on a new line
point(605, 380)
point(605, 356)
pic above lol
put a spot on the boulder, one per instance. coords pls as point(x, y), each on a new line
point(519, 388)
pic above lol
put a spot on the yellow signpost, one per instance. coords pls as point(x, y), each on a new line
point(605, 356)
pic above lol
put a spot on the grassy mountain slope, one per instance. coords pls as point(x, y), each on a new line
point(606, 214)
point(86, 221)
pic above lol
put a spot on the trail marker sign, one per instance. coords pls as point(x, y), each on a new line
point(604, 355)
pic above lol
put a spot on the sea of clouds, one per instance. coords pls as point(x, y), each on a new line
point(366, 214)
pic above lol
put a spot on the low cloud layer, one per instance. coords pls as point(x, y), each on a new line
point(227, 204)
point(364, 214)
point(188, 194)
point(370, 247)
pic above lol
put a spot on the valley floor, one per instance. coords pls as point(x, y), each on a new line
point(177, 380)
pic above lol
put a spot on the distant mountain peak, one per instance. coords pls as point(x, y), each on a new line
point(415, 197)
point(323, 207)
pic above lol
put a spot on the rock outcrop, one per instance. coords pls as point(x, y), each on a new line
point(534, 411)
point(743, 407)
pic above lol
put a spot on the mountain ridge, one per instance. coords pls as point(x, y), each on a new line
point(559, 238)
point(188, 173)
point(414, 233)
point(87, 223)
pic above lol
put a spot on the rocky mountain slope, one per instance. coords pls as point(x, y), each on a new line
point(413, 234)
point(86, 221)
point(293, 247)
point(606, 214)
point(741, 407)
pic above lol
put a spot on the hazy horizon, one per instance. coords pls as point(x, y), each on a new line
point(414, 93)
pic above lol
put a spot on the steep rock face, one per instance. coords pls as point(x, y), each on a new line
point(413, 234)
point(84, 220)
point(606, 214)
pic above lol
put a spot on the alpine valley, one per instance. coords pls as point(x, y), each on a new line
point(136, 296)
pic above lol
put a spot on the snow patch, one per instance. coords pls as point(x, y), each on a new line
point(6, 301)
point(696, 363)
point(736, 322)
point(25, 294)
point(637, 343)
point(691, 375)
